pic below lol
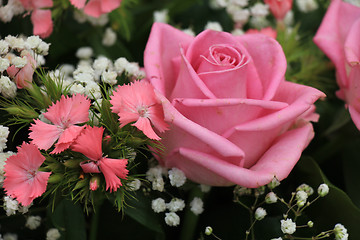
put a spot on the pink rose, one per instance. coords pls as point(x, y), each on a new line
point(233, 118)
point(338, 37)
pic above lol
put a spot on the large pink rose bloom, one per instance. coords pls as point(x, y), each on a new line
point(233, 118)
point(339, 37)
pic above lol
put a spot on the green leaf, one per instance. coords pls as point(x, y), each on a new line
point(334, 208)
point(140, 210)
point(69, 219)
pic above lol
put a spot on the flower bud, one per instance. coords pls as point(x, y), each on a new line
point(274, 183)
point(340, 232)
point(271, 198)
point(208, 230)
point(323, 190)
point(310, 224)
point(94, 183)
point(260, 213)
point(306, 188)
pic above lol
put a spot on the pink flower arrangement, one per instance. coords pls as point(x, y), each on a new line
point(279, 8)
point(95, 8)
point(233, 118)
point(40, 17)
point(338, 37)
point(138, 103)
point(23, 180)
point(89, 143)
point(64, 115)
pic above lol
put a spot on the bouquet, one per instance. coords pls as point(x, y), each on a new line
point(206, 119)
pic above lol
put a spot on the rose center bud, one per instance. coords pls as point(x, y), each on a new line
point(221, 57)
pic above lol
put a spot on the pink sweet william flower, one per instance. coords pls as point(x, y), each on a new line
point(23, 181)
point(138, 103)
point(23, 76)
point(338, 37)
point(64, 114)
point(89, 143)
point(95, 8)
point(40, 16)
point(268, 31)
point(279, 8)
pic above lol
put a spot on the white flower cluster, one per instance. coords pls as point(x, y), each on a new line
point(81, 17)
point(161, 16)
point(340, 232)
point(306, 6)
point(11, 206)
point(11, 9)
point(288, 226)
point(33, 222)
point(15, 53)
point(53, 234)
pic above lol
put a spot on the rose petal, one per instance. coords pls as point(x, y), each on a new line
point(352, 46)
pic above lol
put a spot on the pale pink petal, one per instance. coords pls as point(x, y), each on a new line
point(143, 124)
point(351, 47)
point(43, 24)
point(93, 8)
point(113, 170)
point(78, 3)
point(24, 76)
point(109, 5)
point(67, 138)
point(162, 47)
point(89, 143)
point(44, 135)
point(90, 167)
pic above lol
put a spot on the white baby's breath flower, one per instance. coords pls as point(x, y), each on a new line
point(197, 205)
point(84, 53)
point(109, 77)
point(306, 188)
point(99, 21)
point(3, 157)
point(10, 206)
point(19, 62)
point(301, 197)
point(216, 26)
point(158, 205)
point(15, 42)
point(177, 177)
point(66, 69)
point(109, 37)
point(7, 87)
point(93, 90)
point(172, 219)
point(189, 31)
point(237, 32)
point(43, 48)
point(271, 198)
point(205, 188)
point(323, 190)
point(158, 184)
point(239, 15)
point(4, 47)
point(4, 133)
point(259, 10)
point(208, 230)
point(259, 22)
point(53, 234)
point(289, 18)
point(307, 5)
point(340, 232)
point(4, 64)
point(33, 222)
point(260, 213)
point(101, 64)
point(134, 185)
point(10, 236)
point(120, 64)
point(161, 16)
point(240, 3)
point(175, 205)
point(218, 4)
point(288, 226)
point(33, 42)
point(77, 88)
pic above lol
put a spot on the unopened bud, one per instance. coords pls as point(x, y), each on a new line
point(323, 190)
point(208, 230)
point(94, 183)
point(310, 224)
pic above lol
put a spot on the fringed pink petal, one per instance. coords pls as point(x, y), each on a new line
point(109, 5)
point(67, 137)
point(113, 170)
point(44, 135)
point(93, 8)
point(89, 143)
point(143, 124)
point(90, 167)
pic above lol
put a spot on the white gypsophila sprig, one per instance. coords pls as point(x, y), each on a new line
point(4, 133)
point(33, 222)
point(340, 232)
point(19, 62)
point(10, 206)
point(288, 226)
point(84, 53)
point(109, 77)
point(93, 90)
point(109, 37)
point(154, 173)
point(172, 219)
point(158, 184)
point(7, 87)
point(211, 25)
point(158, 205)
point(15, 42)
point(175, 205)
point(306, 6)
point(134, 185)
point(177, 177)
point(3, 157)
point(205, 188)
point(260, 213)
point(53, 234)
point(301, 197)
point(323, 190)
point(218, 4)
point(10, 236)
point(271, 198)
point(197, 206)
point(306, 188)
point(4, 47)
point(33, 42)
point(161, 16)
point(259, 10)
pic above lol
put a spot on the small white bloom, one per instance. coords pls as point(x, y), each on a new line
point(306, 5)
point(154, 173)
point(10, 206)
point(161, 16)
point(93, 90)
point(10, 236)
point(323, 190)
point(3, 157)
point(306, 188)
point(77, 88)
point(237, 32)
point(109, 77)
point(33, 222)
point(53, 234)
point(310, 224)
point(84, 53)
point(4, 47)
point(197, 206)
point(66, 69)
point(259, 22)
point(216, 26)
point(208, 230)
point(218, 4)
point(84, 77)
point(289, 18)
point(205, 188)
point(109, 37)
point(175, 205)
point(288, 226)
point(271, 198)
point(101, 64)
point(99, 21)
point(189, 31)
point(4, 133)
point(15, 42)
point(132, 69)
point(120, 64)
point(158, 205)
point(158, 184)
point(19, 62)
point(172, 219)
point(177, 177)
point(33, 42)
point(43, 48)
point(301, 197)
point(238, 15)
point(24, 209)
point(340, 232)
point(7, 87)
point(259, 10)
point(260, 213)
point(134, 185)
point(4, 64)
point(240, 3)
point(40, 60)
